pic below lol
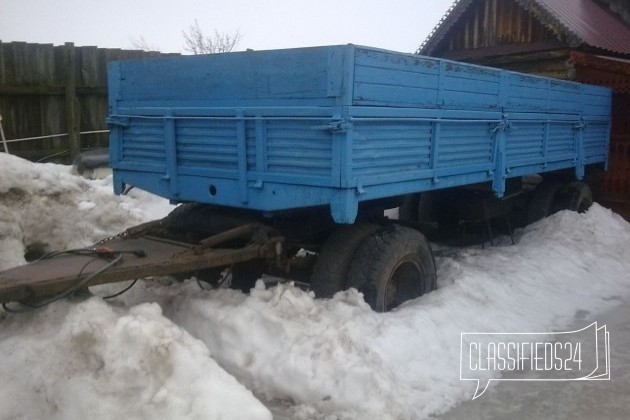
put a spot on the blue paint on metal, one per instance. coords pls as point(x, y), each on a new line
point(170, 154)
point(499, 172)
point(277, 130)
point(579, 149)
point(241, 150)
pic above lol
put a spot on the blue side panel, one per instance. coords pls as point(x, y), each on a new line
point(237, 79)
point(466, 143)
point(532, 93)
point(395, 147)
point(596, 101)
point(207, 145)
point(277, 130)
point(144, 143)
point(383, 79)
point(470, 87)
point(595, 141)
point(527, 143)
point(298, 147)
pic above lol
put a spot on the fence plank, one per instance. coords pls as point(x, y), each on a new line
point(73, 112)
point(46, 89)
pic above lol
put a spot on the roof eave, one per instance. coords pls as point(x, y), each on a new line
point(452, 15)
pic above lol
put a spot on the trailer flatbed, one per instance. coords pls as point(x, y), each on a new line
point(340, 125)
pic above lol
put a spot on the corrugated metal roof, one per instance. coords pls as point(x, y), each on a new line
point(590, 23)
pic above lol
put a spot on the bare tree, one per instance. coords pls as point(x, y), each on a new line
point(198, 43)
point(140, 43)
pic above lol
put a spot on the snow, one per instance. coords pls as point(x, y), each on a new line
point(46, 204)
point(169, 349)
point(93, 360)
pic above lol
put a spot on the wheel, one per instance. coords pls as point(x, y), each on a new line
point(192, 222)
point(196, 221)
point(408, 210)
point(417, 207)
point(543, 202)
point(576, 196)
point(331, 268)
point(392, 266)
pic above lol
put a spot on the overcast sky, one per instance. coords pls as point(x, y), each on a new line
point(399, 25)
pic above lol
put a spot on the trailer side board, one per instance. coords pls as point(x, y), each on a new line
point(284, 129)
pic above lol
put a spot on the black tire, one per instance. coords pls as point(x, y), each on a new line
point(575, 196)
point(192, 222)
point(417, 208)
point(331, 268)
point(543, 202)
point(392, 266)
point(198, 221)
point(245, 275)
point(408, 210)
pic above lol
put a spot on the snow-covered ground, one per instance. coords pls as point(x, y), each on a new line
point(46, 205)
point(168, 349)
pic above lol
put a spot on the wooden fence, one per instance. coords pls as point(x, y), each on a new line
point(55, 90)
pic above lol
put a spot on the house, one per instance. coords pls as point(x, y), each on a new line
point(582, 40)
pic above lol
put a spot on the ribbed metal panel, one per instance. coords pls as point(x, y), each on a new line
point(525, 142)
point(594, 139)
point(207, 144)
point(464, 144)
point(295, 146)
point(381, 148)
point(561, 139)
point(144, 142)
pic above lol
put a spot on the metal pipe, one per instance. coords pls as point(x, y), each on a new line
point(49, 136)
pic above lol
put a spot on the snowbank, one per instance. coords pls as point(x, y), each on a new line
point(337, 357)
point(91, 360)
point(305, 358)
point(47, 206)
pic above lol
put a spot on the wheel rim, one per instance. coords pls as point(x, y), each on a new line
point(405, 283)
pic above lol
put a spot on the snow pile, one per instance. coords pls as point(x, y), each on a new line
point(91, 360)
point(337, 357)
point(47, 206)
point(136, 357)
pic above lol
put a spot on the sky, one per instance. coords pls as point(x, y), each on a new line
point(399, 25)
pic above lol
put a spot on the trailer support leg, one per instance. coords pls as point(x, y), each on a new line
point(344, 207)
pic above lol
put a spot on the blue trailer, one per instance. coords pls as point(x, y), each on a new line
point(336, 126)
point(274, 153)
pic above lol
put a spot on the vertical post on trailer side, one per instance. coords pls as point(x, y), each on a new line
point(499, 174)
